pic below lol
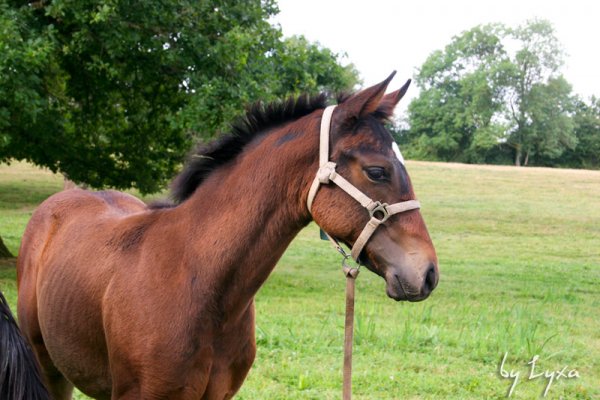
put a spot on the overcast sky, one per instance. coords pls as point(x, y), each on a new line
point(380, 36)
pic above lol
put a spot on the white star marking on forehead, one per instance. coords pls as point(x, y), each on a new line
point(397, 152)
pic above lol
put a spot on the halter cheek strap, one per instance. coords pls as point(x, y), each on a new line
point(379, 212)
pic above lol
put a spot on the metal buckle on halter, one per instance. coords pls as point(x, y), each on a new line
point(381, 209)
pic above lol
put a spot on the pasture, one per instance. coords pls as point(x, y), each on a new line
point(519, 253)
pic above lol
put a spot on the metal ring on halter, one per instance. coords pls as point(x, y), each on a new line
point(380, 208)
point(352, 270)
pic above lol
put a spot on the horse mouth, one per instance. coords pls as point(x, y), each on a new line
point(400, 290)
point(396, 287)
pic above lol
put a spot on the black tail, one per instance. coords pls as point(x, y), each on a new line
point(19, 372)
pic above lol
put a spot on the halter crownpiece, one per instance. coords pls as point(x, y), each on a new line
point(379, 212)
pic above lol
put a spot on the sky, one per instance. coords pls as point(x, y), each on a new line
point(380, 36)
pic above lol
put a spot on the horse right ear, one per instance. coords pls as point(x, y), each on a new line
point(389, 101)
point(364, 102)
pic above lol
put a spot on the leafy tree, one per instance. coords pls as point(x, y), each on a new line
point(461, 92)
point(300, 66)
point(292, 66)
point(548, 131)
point(490, 88)
point(538, 96)
point(111, 92)
point(103, 87)
point(586, 118)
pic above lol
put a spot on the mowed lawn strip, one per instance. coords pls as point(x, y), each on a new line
point(519, 252)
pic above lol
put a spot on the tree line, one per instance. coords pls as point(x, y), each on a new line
point(495, 94)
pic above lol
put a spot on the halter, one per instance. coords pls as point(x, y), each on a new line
point(379, 212)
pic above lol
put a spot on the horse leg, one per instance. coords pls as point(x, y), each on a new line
point(226, 377)
point(58, 386)
point(230, 370)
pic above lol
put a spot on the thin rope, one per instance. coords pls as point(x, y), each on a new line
point(351, 274)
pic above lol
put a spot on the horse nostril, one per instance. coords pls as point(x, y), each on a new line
point(430, 280)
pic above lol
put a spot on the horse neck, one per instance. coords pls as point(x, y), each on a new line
point(246, 213)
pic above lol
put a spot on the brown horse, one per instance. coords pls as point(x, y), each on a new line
point(127, 301)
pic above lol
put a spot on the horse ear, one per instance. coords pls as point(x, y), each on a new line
point(389, 101)
point(364, 102)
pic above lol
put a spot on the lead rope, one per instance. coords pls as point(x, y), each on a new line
point(351, 274)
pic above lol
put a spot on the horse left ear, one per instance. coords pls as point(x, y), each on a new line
point(389, 101)
point(364, 102)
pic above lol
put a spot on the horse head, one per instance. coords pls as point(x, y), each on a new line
point(375, 211)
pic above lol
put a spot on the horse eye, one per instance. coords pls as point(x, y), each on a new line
point(376, 174)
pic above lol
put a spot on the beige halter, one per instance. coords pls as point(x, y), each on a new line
point(379, 212)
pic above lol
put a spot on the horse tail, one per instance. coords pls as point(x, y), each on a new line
point(20, 377)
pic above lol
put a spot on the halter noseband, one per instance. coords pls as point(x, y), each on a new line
point(379, 212)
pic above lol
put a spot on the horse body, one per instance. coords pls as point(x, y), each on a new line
point(129, 302)
point(127, 267)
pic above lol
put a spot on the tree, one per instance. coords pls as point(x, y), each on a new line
point(548, 131)
point(461, 93)
point(300, 66)
point(111, 93)
point(493, 87)
point(538, 96)
point(292, 66)
point(90, 91)
point(586, 119)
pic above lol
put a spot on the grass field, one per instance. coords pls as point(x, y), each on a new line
point(519, 253)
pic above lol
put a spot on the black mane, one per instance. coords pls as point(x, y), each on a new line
point(258, 118)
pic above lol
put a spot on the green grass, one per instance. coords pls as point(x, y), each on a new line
point(519, 254)
point(22, 188)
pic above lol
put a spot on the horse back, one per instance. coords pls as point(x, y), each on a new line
point(75, 210)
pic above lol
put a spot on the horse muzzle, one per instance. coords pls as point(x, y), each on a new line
point(404, 284)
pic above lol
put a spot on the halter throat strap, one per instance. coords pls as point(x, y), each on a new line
point(379, 212)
